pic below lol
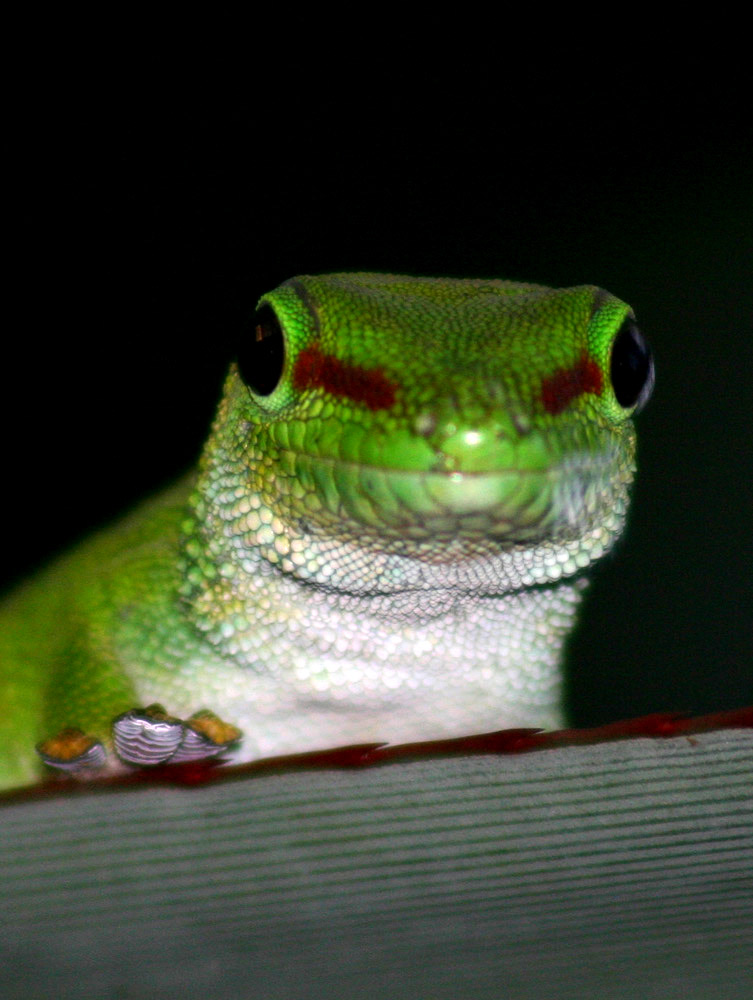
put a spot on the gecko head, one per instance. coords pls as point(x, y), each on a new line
point(445, 415)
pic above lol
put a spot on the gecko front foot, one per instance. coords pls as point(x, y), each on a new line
point(142, 737)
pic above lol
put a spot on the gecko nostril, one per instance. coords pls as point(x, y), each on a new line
point(425, 424)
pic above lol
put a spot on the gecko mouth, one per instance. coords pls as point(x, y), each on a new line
point(576, 495)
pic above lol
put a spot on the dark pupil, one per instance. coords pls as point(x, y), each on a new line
point(261, 355)
point(632, 367)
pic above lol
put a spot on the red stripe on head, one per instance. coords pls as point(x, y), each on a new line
point(560, 389)
point(370, 386)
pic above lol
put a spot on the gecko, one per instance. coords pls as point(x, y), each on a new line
point(387, 537)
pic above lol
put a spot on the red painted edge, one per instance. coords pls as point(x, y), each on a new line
point(504, 741)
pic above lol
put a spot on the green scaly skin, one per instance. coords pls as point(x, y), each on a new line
point(388, 545)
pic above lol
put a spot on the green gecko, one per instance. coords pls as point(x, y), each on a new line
point(385, 538)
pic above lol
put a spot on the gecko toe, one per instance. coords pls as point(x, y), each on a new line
point(74, 752)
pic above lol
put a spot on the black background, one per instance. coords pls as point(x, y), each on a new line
point(152, 198)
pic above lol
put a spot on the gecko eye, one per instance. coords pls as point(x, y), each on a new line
point(261, 356)
point(631, 367)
